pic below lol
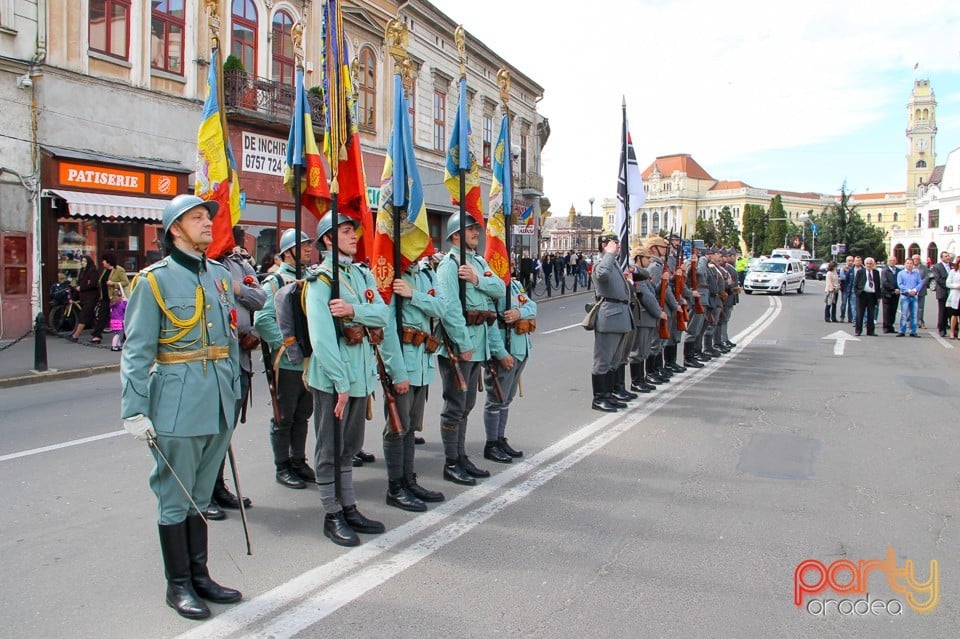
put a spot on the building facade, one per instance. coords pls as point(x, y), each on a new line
point(104, 100)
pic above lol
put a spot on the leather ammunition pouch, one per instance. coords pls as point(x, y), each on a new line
point(524, 326)
point(476, 318)
point(249, 341)
point(413, 336)
point(354, 335)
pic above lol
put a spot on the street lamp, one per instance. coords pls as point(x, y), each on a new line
point(591, 223)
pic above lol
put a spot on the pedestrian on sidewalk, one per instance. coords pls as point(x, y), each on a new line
point(833, 290)
point(909, 283)
point(113, 283)
point(89, 289)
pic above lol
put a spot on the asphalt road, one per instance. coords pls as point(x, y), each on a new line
point(686, 516)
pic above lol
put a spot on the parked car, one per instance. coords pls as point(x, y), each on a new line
point(775, 275)
point(812, 267)
point(822, 271)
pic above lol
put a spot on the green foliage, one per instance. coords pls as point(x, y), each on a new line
point(727, 232)
point(233, 63)
point(776, 229)
point(754, 228)
point(841, 223)
point(706, 230)
point(317, 91)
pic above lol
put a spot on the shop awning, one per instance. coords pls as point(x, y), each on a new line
point(80, 203)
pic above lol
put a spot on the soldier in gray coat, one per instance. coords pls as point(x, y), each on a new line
point(649, 316)
point(614, 322)
point(656, 369)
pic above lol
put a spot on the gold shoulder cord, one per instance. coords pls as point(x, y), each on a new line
point(185, 326)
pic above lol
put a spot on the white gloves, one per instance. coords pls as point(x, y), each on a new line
point(140, 427)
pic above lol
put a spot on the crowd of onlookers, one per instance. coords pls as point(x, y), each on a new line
point(863, 291)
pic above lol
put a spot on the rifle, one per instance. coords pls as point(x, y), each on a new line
point(664, 325)
point(697, 304)
point(454, 357)
point(386, 382)
point(491, 366)
point(271, 380)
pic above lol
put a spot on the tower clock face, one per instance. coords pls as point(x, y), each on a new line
point(921, 144)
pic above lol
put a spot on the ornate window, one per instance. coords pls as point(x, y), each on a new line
point(656, 223)
point(367, 90)
point(284, 62)
point(644, 224)
point(166, 36)
point(487, 140)
point(110, 27)
point(439, 121)
point(921, 164)
point(244, 34)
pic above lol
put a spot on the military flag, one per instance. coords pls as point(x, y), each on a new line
point(216, 168)
point(501, 204)
point(401, 194)
point(302, 151)
point(459, 156)
point(630, 193)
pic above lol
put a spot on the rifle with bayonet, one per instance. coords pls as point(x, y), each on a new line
point(454, 356)
point(386, 382)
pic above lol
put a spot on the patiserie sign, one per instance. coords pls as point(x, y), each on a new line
point(263, 154)
point(88, 176)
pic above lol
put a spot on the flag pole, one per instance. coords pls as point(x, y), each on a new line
point(460, 38)
point(296, 34)
point(396, 35)
point(503, 79)
point(625, 244)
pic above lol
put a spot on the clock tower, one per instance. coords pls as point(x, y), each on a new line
point(921, 136)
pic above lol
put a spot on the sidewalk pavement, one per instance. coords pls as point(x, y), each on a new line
point(69, 360)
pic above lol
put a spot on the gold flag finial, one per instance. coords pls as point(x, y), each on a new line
point(213, 21)
point(396, 37)
point(503, 80)
point(296, 34)
point(460, 37)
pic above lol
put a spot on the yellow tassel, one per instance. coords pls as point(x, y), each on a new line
point(343, 152)
point(334, 186)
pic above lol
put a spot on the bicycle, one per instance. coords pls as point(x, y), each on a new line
point(65, 310)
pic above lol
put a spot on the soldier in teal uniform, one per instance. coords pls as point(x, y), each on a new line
point(342, 372)
point(180, 373)
point(470, 332)
point(520, 321)
point(288, 438)
point(409, 356)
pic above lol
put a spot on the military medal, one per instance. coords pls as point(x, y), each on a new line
point(369, 295)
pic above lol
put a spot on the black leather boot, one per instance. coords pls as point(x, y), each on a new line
point(303, 470)
point(336, 529)
point(493, 452)
point(471, 469)
point(226, 499)
point(360, 523)
point(203, 585)
point(366, 458)
point(400, 497)
point(286, 476)
point(600, 401)
point(453, 471)
point(176, 566)
point(620, 385)
point(508, 449)
point(690, 356)
point(610, 386)
point(213, 512)
point(420, 492)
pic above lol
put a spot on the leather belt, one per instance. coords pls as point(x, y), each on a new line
point(607, 299)
point(201, 355)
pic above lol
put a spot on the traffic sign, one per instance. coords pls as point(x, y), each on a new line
point(814, 227)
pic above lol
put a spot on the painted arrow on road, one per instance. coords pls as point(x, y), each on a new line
point(841, 339)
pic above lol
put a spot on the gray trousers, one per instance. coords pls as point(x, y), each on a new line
point(495, 411)
point(295, 401)
point(695, 326)
point(921, 298)
point(196, 462)
point(608, 349)
point(398, 448)
point(725, 327)
point(351, 425)
point(457, 405)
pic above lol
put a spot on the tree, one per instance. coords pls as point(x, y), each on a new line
point(777, 229)
point(754, 227)
point(705, 230)
point(841, 223)
point(727, 232)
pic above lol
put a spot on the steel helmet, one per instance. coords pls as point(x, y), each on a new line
point(183, 203)
point(326, 223)
point(453, 224)
point(288, 240)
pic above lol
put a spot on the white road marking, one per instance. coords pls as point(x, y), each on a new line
point(939, 339)
point(74, 442)
point(841, 338)
point(563, 328)
point(352, 582)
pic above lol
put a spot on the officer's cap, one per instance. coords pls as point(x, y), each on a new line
point(288, 240)
point(179, 205)
point(606, 235)
point(453, 224)
point(326, 223)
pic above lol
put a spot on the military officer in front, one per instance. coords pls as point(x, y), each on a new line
point(473, 334)
point(180, 374)
point(516, 324)
point(614, 322)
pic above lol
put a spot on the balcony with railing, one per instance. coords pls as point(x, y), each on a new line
point(250, 97)
point(530, 183)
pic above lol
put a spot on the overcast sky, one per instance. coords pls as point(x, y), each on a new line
point(788, 95)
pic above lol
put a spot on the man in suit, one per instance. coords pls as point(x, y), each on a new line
point(613, 323)
point(867, 287)
point(891, 294)
point(940, 272)
point(925, 276)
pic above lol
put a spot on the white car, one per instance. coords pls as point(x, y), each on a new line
point(775, 275)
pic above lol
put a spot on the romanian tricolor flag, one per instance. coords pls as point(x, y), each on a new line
point(501, 199)
point(459, 156)
point(526, 216)
point(216, 169)
point(302, 151)
point(341, 142)
point(401, 194)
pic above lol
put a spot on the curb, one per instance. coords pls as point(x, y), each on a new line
point(39, 378)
